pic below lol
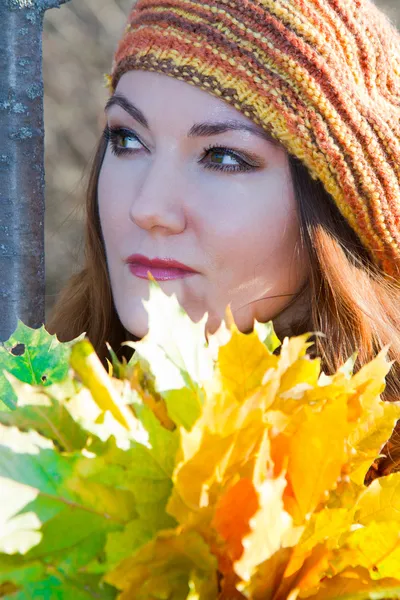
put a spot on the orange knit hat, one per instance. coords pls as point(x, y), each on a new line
point(321, 76)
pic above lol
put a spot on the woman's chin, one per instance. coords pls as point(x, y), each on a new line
point(136, 323)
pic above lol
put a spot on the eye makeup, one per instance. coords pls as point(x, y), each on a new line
point(116, 135)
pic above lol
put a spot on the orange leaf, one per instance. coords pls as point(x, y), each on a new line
point(233, 512)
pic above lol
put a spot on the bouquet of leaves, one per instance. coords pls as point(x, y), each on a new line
point(200, 469)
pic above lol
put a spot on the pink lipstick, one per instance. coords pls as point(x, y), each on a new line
point(162, 269)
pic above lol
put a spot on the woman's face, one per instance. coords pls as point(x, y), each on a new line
point(229, 213)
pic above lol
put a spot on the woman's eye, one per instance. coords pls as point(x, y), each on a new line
point(227, 160)
point(122, 141)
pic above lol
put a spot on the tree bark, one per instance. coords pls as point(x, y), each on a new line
point(22, 267)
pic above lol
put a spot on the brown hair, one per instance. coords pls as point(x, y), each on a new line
point(86, 304)
point(352, 302)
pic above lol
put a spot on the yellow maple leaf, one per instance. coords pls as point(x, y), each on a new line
point(355, 584)
point(87, 365)
point(316, 454)
point(242, 363)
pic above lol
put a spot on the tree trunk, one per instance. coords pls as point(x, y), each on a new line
point(22, 269)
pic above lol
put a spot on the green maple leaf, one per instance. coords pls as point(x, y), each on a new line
point(53, 519)
point(43, 409)
point(55, 586)
point(148, 473)
point(33, 356)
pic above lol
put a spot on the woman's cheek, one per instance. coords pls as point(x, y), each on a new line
point(112, 197)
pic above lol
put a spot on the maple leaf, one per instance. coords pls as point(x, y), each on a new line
point(165, 567)
point(33, 356)
point(175, 346)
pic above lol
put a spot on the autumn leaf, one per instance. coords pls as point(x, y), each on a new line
point(164, 568)
point(233, 512)
point(175, 346)
point(87, 365)
point(242, 363)
point(315, 460)
point(355, 584)
point(33, 356)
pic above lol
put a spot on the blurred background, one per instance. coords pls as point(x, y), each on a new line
point(79, 41)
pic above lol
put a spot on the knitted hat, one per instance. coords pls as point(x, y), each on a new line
point(321, 76)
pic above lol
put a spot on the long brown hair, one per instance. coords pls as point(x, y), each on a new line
point(351, 301)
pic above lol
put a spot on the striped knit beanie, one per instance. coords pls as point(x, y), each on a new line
point(321, 76)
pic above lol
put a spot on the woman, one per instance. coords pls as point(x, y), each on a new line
point(256, 142)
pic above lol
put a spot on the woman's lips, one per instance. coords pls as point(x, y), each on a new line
point(161, 269)
point(160, 274)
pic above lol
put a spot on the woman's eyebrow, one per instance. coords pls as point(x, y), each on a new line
point(198, 129)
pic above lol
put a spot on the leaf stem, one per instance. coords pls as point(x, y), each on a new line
point(81, 507)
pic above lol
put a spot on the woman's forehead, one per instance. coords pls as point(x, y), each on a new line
point(159, 92)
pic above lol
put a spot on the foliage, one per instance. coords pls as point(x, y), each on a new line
point(201, 469)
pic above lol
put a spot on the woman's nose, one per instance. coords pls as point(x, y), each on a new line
point(158, 201)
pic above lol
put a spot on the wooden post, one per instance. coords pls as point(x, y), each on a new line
point(22, 268)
